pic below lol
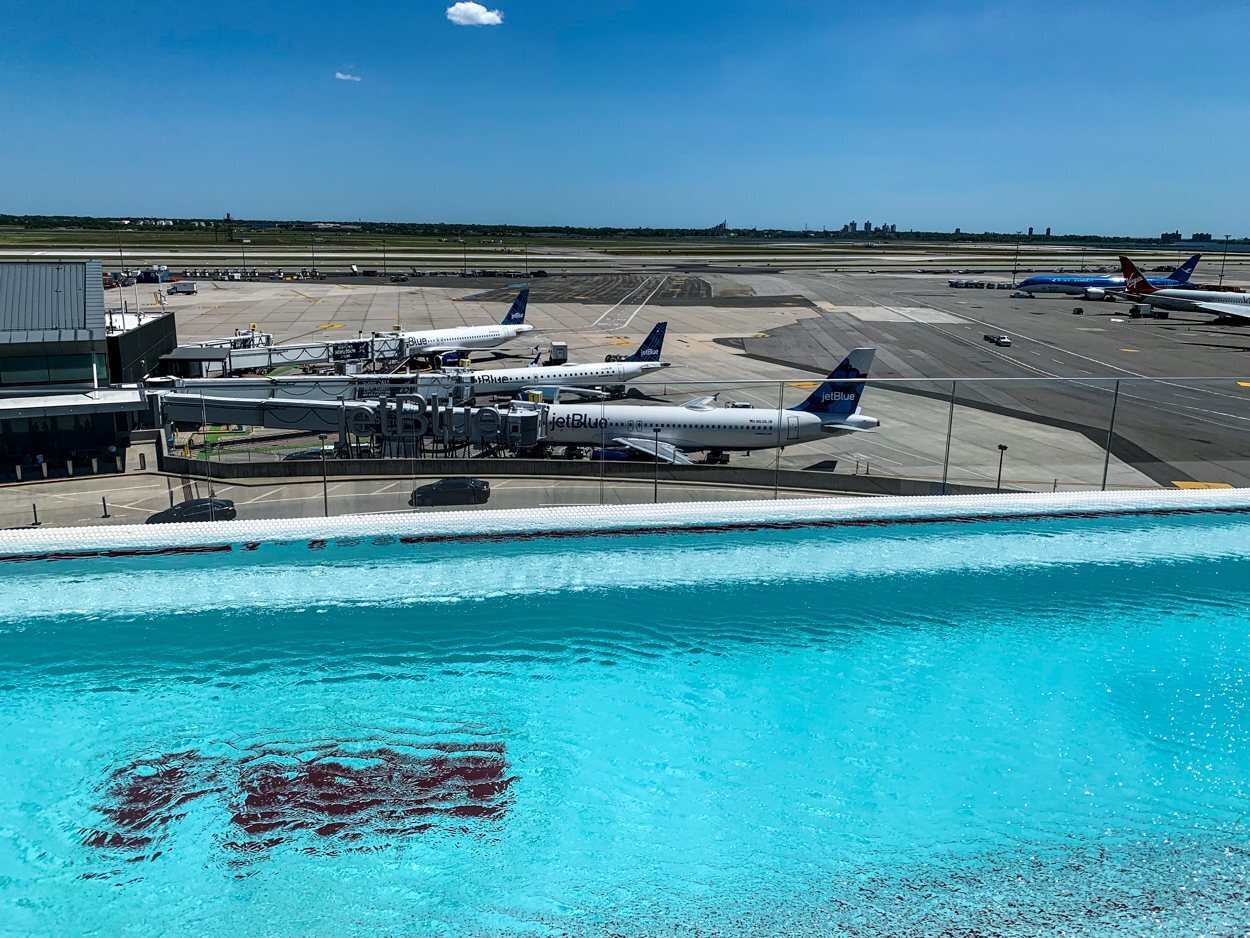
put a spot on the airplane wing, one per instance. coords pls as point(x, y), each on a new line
point(1227, 310)
point(665, 452)
point(701, 403)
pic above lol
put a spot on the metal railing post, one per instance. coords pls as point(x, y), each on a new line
point(1106, 462)
point(781, 416)
point(950, 429)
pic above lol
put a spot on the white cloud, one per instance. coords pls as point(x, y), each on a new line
point(343, 76)
point(474, 14)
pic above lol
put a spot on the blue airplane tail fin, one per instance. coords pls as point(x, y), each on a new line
point(839, 394)
point(516, 314)
point(1186, 270)
point(651, 346)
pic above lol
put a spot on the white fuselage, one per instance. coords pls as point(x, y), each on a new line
point(718, 428)
point(460, 338)
point(511, 380)
point(1190, 299)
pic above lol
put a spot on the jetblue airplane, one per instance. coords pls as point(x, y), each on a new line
point(667, 433)
point(1234, 307)
point(1101, 287)
point(467, 338)
point(554, 378)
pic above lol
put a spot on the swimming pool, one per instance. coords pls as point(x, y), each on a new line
point(819, 718)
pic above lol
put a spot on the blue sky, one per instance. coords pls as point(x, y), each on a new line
point(1089, 117)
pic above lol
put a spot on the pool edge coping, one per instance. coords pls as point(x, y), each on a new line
point(701, 517)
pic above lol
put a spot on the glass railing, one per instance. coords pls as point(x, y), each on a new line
point(743, 440)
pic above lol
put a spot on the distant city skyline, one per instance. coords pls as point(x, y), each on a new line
point(636, 113)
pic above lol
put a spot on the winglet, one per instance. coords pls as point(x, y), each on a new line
point(1134, 280)
point(1186, 270)
point(651, 346)
point(839, 394)
point(516, 314)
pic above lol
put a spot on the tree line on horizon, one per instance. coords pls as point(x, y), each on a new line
point(450, 230)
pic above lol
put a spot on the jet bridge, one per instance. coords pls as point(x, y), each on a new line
point(456, 388)
point(254, 351)
point(405, 418)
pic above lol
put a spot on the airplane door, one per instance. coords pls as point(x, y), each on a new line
point(792, 428)
point(629, 426)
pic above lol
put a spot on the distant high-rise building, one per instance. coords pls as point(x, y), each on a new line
point(1030, 231)
point(1170, 236)
point(854, 227)
point(1048, 231)
point(868, 227)
point(723, 226)
point(957, 231)
point(1201, 236)
point(893, 228)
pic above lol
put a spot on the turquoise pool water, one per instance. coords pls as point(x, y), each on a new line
point(993, 728)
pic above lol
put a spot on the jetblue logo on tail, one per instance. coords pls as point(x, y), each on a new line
point(839, 395)
point(516, 315)
point(651, 346)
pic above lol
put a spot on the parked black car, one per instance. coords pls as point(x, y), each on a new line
point(196, 509)
point(451, 492)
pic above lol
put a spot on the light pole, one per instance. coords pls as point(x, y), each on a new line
point(1224, 259)
point(383, 258)
point(243, 249)
point(655, 497)
point(464, 258)
point(1002, 450)
point(325, 491)
point(1015, 264)
point(312, 246)
point(527, 257)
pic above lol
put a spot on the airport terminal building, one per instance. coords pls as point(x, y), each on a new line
point(58, 354)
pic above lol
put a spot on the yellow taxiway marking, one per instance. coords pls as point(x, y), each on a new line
point(1130, 350)
point(626, 342)
point(1202, 485)
point(330, 325)
point(1243, 384)
point(805, 385)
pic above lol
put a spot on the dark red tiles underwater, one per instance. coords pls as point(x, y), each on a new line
point(321, 796)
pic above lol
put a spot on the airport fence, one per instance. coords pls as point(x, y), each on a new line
point(936, 436)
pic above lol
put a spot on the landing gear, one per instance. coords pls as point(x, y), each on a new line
point(717, 457)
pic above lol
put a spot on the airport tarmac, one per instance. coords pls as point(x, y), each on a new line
point(767, 351)
point(1192, 427)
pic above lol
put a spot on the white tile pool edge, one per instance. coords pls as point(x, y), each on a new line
point(624, 518)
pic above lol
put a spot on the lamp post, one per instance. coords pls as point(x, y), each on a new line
point(384, 258)
point(655, 497)
point(312, 247)
point(243, 249)
point(1224, 259)
point(1015, 264)
point(325, 491)
point(1002, 450)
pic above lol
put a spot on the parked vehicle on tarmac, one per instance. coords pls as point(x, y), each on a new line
point(196, 509)
point(456, 491)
